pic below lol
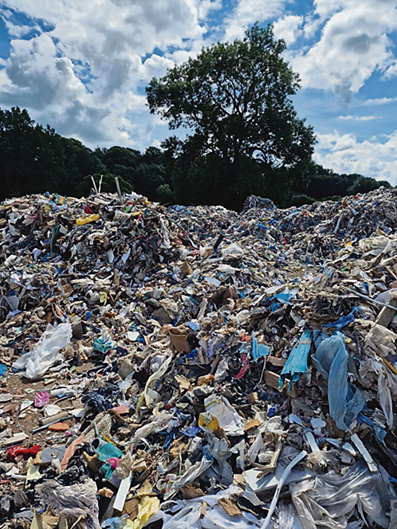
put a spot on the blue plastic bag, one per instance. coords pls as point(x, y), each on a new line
point(331, 360)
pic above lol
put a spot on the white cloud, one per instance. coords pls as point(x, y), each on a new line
point(85, 71)
point(380, 101)
point(248, 12)
point(358, 118)
point(354, 44)
point(206, 6)
point(345, 154)
point(288, 28)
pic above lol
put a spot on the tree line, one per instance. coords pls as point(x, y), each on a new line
point(243, 137)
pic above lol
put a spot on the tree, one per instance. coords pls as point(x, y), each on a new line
point(31, 156)
point(235, 99)
point(164, 194)
point(80, 162)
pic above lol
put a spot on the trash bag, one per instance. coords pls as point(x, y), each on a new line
point(331, 360)
point(46, 352)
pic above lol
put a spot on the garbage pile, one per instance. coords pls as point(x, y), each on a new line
point(327, 223)
point(195, 367)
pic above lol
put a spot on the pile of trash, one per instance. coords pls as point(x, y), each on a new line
point(195, 367)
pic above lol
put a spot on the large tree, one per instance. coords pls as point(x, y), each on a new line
point(235, 99)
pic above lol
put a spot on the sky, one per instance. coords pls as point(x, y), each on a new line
point(82, 67)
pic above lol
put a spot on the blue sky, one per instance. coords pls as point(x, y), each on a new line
point(82, 67)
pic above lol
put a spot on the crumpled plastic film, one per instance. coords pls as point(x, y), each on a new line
point(46, 353)
point(328, 501)
point(229, 420)
point(73, 502)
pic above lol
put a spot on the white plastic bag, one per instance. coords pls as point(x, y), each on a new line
point(46, 352)
point(233, 249)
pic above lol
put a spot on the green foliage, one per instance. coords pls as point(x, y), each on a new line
point(301, 200)
point(324, 184)
point(164, 194)
point(31, 157)
point(235, 97)
point(35, 159)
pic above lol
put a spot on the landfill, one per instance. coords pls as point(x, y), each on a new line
point(195, 367)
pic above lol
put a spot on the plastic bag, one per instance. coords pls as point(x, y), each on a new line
point(233, 249)
point(380, 340)
point(328, 501)
point(331, 360)
point(191, 474)
point(188, 514)
point(46, 352)
point(287, 517)
point(159, 423)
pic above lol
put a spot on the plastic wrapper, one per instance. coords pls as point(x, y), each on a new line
point(380, 341)
point(46, 353)
point(188, 514)
point(191, 474)
point(296, 364)
point(159, 422)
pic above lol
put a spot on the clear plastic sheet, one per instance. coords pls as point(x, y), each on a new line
point(327, 502)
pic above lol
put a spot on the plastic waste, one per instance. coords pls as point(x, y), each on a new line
point(228, 419)
point(331, 360)
point(380, 341)
point(72, 501)
point(191, 474)
point(81, 221)
point(46, 353)
point(296, 364)
point(343, 320)
point(188, 514)
point(374, 369)
point(259, 350)
point(329, 500)
point(233, 249)
point(19, 450)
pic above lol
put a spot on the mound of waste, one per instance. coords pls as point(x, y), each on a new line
point(196, 367)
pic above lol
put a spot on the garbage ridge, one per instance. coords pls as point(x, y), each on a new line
point(198, 367)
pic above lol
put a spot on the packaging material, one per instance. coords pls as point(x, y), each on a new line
point(46, 353)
